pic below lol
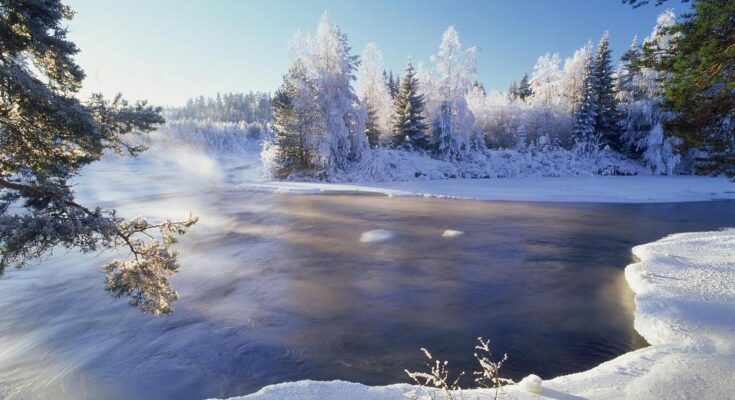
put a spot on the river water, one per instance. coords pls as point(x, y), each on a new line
point(279, 288)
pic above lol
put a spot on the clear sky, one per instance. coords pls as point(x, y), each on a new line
point(169, 50)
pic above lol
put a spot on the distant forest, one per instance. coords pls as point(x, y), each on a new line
point(251, 107)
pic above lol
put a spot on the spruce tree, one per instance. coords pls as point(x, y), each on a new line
point(584, 134)
point(524, 88)
point(409, 129)
point(607, 120)
point(293, 122)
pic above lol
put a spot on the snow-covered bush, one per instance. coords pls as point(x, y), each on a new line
point(535, 161)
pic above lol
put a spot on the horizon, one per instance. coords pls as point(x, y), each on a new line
point(147, 56)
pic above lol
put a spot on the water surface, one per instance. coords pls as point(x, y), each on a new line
point(279, 287)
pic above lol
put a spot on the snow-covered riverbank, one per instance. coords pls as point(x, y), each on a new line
point(599, 189)
point(685, 308)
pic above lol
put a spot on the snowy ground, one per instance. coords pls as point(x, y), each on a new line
point(602, 189)
point(685, 308)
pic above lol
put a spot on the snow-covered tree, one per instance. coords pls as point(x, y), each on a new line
point(575, 69)
point(586, 138)
point(46, 136)
point(295, 123)
point(375, 94)
point(546, 80)
point(608, 117)
point(512, 91)
point(329, 71)
point(547, 114)
point(450, 82)
point(641, 97)
point(524, 88)
point(409, 129)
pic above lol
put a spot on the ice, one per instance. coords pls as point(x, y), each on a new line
point(451, 233)
point(376, 236)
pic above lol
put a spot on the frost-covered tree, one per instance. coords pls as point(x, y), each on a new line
point(330, 70)
point(607, 120)
point(699, 84)
point(374, 94)
point(548, 115)
point(409, 129)
point(372, 132)
point(586, 138)
point(546, 80)
point(572, 85)
point(641, 97)
point(512, 91)
point(46, 136)
point(449, 84)
point(524, 88)
point(295, 123)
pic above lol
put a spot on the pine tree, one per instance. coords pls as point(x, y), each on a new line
point(512, 91)
point(699, 84)
point(524, 88)
point(409, 129)
point(47, 134)
point(607, 120)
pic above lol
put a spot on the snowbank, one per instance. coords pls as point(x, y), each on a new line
point(599, 189)
point(685, 308)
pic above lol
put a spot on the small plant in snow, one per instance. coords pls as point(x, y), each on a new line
point(438, 377)
point(489, 374)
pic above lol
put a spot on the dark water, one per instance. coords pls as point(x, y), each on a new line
point(278, 288)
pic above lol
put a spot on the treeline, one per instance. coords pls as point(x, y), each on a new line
point(252, 107)
point(584, 105)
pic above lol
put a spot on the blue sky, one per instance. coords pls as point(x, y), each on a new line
point(169, 50)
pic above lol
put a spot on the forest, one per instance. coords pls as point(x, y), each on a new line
point(338, 116)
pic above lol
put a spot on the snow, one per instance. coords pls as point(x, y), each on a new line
point(599, 189)
point(685, 308)
point(449, 233)
point(376, 236)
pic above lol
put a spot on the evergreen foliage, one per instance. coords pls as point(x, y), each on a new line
point(46, 136)
point(607, 119)
point(699, 84)
point(409, 130)
point(584, 132)
point(524, 88)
